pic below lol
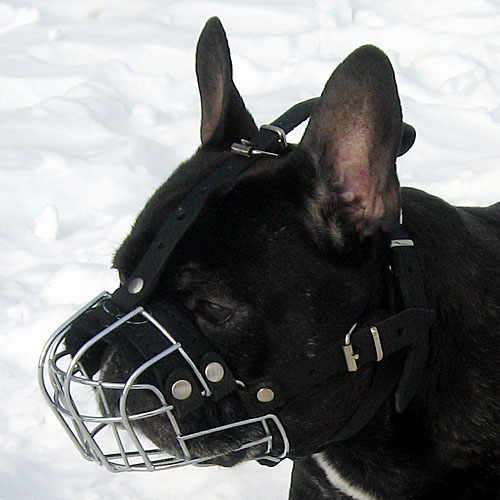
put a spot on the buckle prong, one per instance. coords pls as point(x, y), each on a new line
point(245, 148)
point(350, 357)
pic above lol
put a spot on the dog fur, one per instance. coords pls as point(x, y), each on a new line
point(294, 253)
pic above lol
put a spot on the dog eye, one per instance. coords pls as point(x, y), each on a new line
point(214, 313)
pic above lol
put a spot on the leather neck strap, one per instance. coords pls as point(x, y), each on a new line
point(407, 330)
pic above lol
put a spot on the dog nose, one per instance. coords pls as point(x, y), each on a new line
point(79, 333)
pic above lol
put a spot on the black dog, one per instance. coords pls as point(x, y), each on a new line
point(278, 267)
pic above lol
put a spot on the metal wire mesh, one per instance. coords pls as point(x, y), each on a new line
point(109, 435)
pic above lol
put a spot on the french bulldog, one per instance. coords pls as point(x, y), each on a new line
point(279, 265)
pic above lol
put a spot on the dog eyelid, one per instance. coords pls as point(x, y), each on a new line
point(214, 313)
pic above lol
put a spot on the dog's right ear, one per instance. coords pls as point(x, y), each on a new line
point(353, 139)
point(224, 118)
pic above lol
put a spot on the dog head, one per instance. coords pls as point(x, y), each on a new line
point(281, 263)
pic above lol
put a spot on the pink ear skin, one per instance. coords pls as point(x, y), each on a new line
point(354, 138)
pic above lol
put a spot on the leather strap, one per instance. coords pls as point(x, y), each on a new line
point(385, 379)
point(405, 332)
point(396, 333)
point(409, 291)
point(409, 278)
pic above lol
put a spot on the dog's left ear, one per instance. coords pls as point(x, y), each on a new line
point(353, 138)
point(224, 118)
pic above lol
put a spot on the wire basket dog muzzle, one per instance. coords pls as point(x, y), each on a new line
point(174, 374)
point(172, 379)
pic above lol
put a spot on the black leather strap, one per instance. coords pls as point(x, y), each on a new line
point(415, 322)
point(155, 259)
point(396, 333)
point(385, 379)
point(295, 115)
point(411, 290)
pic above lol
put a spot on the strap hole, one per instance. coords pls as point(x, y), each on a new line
point(180, 213)
point(400, 331)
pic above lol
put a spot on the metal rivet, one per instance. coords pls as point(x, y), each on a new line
point(136, 285)
point(214, 372)
point(265, 395)
point(182, 389)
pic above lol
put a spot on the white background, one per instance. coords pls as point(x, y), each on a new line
point(98, 103)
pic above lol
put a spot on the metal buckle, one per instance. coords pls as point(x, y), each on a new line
point(245, 147)
point(277, 130)
point(378, 344)
point(351, 357)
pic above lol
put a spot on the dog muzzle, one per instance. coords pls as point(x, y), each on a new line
point(172, 374)
point(155, 377)
point(173, 377)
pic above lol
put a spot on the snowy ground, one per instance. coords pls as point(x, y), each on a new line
point(98, 103)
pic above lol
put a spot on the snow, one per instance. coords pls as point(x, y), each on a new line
point(99, 103)
point(47, 223)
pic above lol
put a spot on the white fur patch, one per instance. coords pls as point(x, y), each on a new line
point(339, 482)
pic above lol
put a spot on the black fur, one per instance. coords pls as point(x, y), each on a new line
point(296, 252)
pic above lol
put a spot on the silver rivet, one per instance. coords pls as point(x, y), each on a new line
point(214, 372)
point(265, 395)
point(136, 285)
point(182, 389)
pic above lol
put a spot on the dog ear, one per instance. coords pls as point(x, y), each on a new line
point(224, 118)
point(353, 138)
